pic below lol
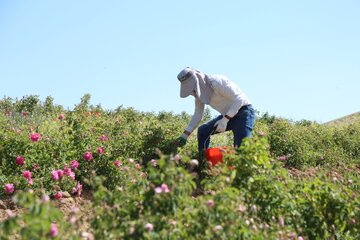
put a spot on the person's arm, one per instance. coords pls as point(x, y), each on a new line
point(196, 118)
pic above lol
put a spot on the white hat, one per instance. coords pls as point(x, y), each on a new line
point(188, 82)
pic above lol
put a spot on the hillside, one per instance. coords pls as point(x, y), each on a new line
point(346, 120)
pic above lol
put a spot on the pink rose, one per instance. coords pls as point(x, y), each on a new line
point(9, 188)
point(27, 174)
point(58, 195)
point(117, 163)
point(67, 170)
point(158, 190)
point(282, 158)
point(100, 150)
point(77, 189)
point(72, 175)
point(103, 138)
point(45, 198)
point(20, 160)
point(35, 137)
point(35, 166)
point(149, 227)
point(210, 203)
point(88, 156)
point(53, 230)
point(61, 116)
point(242, 208)
point(153, 162)
point(55, 175)
point(60, 172)
point(74, 164)
point(165, 188)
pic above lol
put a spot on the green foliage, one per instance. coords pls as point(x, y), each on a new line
point(143, 184)
point(36, 222)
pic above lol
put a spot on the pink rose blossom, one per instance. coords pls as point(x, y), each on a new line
point(35, 166)
point(20, 160)
point(153, 162)
point(88, 156)
point(242, 208)
point(67, 170)
point(9, 188)
point(103, 138)
point(72, 175)
point(74, 164)
point(27, 174)
point(45, 198)
point(53, 230)
point(137, 166)
point(149, 227)
point(282, 158)
point(254, 208)
point(60, 173)
point(217, 228)
point(262, 134)
point(55, 175)
point(77, 189)
point(61, 116)
point(194, 163)
point(165, 188)
point(10, 213)
point(210, 203)
point(100, 150)
point(117, 163)
point(158, 190)
point(58, 195)
point(35, 137)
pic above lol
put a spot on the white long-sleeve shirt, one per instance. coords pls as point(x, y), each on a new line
point(227, 99)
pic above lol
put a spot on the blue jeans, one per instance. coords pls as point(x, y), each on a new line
point(241, 125)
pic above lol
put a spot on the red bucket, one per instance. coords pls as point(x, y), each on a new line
point(214, 155)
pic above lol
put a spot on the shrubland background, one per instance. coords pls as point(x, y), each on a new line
point(291, 180)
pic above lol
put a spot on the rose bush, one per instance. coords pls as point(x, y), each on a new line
point(143, 185)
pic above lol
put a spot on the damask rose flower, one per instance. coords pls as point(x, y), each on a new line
point(88, 156)
point(35, 137)
point(53, 230)
point(55, 175)
point(61, 116)
point(20, 160)
point(9, 188)
point(103, 138)
point(74, 164)
point(100, 150)
point(149, 227)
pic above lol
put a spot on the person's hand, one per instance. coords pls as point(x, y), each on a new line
point(221, 124)
point(181, 141)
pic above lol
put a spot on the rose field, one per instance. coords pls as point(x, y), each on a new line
point(91, 173)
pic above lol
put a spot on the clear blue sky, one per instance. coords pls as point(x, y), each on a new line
point(293, 59)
